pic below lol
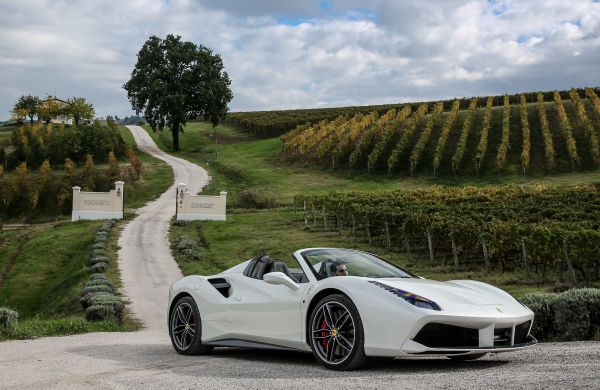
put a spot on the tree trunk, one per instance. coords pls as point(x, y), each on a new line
point(175, 132)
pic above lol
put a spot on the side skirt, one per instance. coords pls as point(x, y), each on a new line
point(247, 344)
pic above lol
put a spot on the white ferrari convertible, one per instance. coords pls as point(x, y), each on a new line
point(344, 306)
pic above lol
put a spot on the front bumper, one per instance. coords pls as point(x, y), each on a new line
point(442, 338)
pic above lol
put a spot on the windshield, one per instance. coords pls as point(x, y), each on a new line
point(326, 263)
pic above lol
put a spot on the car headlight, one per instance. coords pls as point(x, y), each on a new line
point(409, 297)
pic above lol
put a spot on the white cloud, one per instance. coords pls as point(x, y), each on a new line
point(299, 54)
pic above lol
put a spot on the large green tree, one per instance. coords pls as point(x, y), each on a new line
point(80, 109)
point(175, 81)
point(27, 104)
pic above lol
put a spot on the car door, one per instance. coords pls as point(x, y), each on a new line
point(267, 313)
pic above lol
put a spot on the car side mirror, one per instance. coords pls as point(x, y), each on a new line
point(280, 278)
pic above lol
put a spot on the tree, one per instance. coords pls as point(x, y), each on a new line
point(175, 81)
point(26, 106)
point(80, 109)
point(89, 174)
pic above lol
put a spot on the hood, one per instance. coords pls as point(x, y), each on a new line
point(446, 292)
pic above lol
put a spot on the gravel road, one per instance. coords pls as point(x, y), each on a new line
point(146, 360)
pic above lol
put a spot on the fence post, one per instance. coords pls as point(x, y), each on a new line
point(430, 245)
point(406, 243)
point(354, 227)
point(569, 263)
point(524, 254)
point(387, 235)
point(305, 219)
point(454, 251)
point(485, 252)
point(325, 217)
point(314, 211)
point(339, 221)
point(368, 232)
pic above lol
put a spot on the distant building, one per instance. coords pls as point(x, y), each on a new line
point(61, 118)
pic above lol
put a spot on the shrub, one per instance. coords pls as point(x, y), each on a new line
point(99, 268)
point(253, 199)
point(542, 304)
point(571, 315)
point(98, 259)
point(191, 253)
point(86, 300)
point(93, 289)
point(99, 245)
point(99, 277)
point(186, 243)
point(577, 314)
point(8, 318)
point(99, 282)
point(102, 312)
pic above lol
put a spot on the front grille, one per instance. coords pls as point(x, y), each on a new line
point(502, 337)
point(435, 335)
point(521, 332)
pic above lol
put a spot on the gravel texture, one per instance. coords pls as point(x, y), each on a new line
point(146, 360)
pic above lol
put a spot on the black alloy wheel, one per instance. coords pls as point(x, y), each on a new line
point(185, 328)
point(336, 333)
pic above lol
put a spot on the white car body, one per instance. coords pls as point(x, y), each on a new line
point(256, 313)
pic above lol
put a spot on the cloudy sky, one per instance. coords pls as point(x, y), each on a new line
point(305, 53)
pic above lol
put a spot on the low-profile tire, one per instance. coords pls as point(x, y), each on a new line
point(336, 333)
point(185, 328)
point(466, 357)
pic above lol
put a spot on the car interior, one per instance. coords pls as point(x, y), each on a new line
point(261, 265)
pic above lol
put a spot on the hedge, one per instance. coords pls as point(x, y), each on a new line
point(568, 316)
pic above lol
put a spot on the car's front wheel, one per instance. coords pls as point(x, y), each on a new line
point(185, 328)
point(336, 333)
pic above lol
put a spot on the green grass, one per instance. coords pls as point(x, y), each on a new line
point(48, 268)
point(156, 178)
point(278, 233)
point(245, 162)
point(36, 327)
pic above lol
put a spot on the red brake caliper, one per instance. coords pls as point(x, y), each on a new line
point(324, 334)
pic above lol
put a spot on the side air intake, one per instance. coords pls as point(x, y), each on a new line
point(221, 285)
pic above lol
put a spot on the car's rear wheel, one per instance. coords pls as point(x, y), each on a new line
point(185, 328)
point(467, 357)
point(336, 333)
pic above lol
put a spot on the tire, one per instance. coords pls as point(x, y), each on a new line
point(185, 328)
point(336, 334)
point(466, 357)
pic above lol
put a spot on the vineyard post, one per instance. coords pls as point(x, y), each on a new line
point(430, 245)
point(406, 243)
point(568, 259)
point(368, 232)
point(387, 235)
point(454, 251)
point(485, 252)
point(354, 227)
point(314, 212)
point(305, 219)
point(524, 255)
point(325, 217)
point(294, 207)
point(339, 221)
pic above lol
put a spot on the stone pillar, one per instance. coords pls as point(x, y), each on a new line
point(181, 190)
point(224, 197)
point(75, 207)
point(120, 201)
